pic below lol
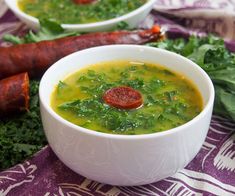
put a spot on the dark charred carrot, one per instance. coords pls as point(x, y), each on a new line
point(35, 58)
point(83, 1)
point(14, 94)
point(123, 97)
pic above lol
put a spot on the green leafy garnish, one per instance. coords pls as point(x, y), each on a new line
point(121, 26)
point(111, 118)
point(49, 30)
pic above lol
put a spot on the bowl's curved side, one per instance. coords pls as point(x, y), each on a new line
point(27, 19)
point(125, 162)
point(131, 18)
point(120, 159)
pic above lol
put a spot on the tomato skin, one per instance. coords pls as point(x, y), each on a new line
point(123, 97)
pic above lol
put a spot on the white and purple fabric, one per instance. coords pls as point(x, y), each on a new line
point(211, 172)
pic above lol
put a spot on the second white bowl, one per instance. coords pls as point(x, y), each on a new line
point(132, 18)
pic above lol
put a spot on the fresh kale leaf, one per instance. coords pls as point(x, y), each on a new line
point(22, 135)
point(198, 55)
point(13, 39)
point(224, 102)
point(49, 30)
point(224, 78)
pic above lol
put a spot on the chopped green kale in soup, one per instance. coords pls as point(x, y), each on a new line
point(169, 99)
point(70, 12)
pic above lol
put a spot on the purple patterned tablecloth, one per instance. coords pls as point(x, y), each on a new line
point(211, 172)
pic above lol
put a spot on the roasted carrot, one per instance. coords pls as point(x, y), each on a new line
point(35, 58)
point(14, 94)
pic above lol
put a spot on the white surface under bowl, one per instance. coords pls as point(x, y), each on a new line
point(125, 159)
point(131, 18)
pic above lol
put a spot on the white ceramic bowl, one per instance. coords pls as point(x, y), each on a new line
point(125, 159)
point(132, 18)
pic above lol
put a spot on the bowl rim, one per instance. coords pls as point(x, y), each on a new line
point(201, 115)
point(13, 6)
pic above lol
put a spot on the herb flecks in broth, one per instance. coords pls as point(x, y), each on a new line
point(169, 100)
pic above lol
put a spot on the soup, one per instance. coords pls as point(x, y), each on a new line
point(67, 12)
point(168, 98)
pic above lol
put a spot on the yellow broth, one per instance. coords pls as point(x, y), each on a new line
point(169, 99)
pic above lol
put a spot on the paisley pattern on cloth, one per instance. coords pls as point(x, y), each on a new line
point(211, 172)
